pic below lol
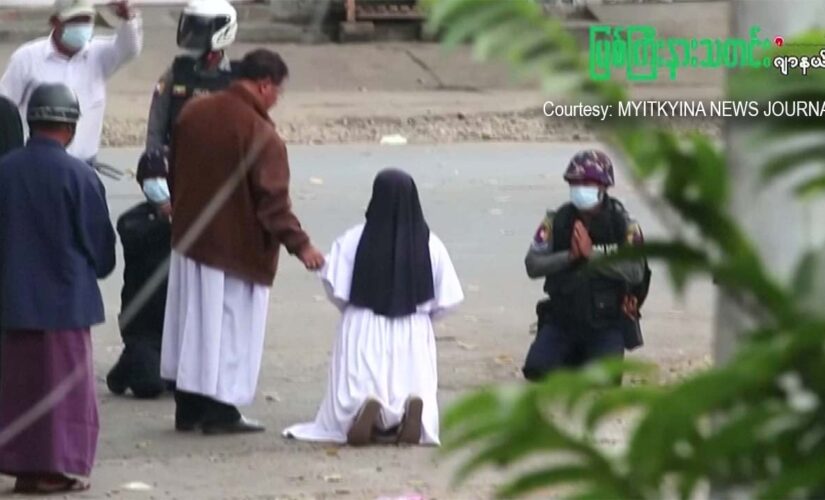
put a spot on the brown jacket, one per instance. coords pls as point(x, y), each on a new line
point(227, 158)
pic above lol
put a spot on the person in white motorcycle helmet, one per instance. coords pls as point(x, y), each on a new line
point(206, 28)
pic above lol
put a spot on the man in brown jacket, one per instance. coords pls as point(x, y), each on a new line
point(229, 181)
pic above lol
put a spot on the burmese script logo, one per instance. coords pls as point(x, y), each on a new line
point(785, 63)
point(637, 50)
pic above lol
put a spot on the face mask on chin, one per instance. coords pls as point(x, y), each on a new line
point(585, 197)
point(76, 36)
point(156, 190)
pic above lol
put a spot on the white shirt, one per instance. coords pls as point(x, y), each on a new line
point(86, 73)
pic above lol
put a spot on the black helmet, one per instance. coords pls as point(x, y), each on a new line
point(53, 102)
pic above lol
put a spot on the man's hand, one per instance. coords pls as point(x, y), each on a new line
point(166, 209)
point(311, 258)
point(122, 9)
point(630, 306)
point(582, 241)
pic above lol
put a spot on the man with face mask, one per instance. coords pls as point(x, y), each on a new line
point(206, 28)
point(56, 241)
point(71, 55)
point(593, 309)
point(145, 232)
point(229, 179)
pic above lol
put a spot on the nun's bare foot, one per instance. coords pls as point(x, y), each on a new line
point(360, 434)
point(410, 431)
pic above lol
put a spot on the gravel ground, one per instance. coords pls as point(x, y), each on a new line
point(516, 126)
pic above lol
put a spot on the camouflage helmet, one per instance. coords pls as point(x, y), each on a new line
point(590, 165)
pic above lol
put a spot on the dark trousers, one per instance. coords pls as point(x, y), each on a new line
point(191, 408)
point(555, 347)
point(138, 369)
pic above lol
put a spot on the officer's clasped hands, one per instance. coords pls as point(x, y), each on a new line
point(581, 246)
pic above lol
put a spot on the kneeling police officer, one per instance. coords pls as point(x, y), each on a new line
point(205, 29)
point(592, 311)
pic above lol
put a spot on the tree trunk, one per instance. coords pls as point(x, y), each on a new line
point(782, 227)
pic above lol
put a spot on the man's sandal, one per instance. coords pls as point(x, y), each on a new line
point(40, 486)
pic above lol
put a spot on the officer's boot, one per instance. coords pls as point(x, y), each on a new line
point(118, 378)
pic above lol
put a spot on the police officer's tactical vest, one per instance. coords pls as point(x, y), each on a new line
point(579, 298)
point(188, 81)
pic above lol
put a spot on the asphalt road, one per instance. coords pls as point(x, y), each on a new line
point(485, 201)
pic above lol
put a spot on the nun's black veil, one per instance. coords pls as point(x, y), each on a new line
point(393, 272)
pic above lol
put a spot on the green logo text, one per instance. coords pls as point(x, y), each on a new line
point(638, 51)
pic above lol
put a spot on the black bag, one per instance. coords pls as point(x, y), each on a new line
point(632, 329)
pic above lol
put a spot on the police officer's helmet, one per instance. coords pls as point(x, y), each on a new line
point(54, 103)
point(590, 166)
point(207, 25)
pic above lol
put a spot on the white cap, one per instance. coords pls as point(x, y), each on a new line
point(67, 9)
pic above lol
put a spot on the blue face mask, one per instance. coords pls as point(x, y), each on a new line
point(76, 36)
point(585, 197)
point(156, 190)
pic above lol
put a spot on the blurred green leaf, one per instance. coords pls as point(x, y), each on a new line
point(731, 424)
point(811, 187)
point(563, 475)
point(611, 402)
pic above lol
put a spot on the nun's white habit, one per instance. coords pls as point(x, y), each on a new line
point(386, 357)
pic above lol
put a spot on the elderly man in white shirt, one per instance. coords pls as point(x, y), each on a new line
point(71, 55)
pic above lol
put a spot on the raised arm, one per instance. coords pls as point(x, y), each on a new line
point(124, 46)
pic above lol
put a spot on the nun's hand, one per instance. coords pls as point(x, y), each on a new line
point(312, 258)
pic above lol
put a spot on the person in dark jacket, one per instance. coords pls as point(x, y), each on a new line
point(593, 310)
point(56, 241)
point(11, 128)
point(229, 179)
point(11, 138)
point(145, 232)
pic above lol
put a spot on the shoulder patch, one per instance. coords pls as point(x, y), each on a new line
point(544, 233)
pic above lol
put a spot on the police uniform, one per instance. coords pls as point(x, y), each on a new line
point(145, 233)
point(583, 319)
point(146, 238)
point(185, 79)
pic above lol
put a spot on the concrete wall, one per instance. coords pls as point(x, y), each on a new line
point(303, 11)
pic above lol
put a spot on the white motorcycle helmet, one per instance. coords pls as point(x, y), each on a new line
point(207, 25)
